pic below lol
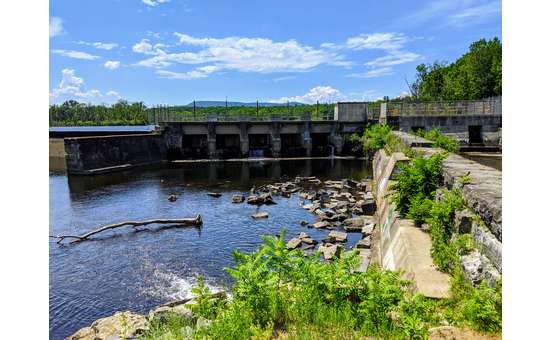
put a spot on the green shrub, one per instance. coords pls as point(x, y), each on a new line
point(417, 180)
point(483, 308)
point(419, 209)
point(440, 140)
point(376, 137)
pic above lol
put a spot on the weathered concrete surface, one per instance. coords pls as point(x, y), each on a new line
point(483, 193)
point(57, 154)
point(397, 243)
point(456, 126)
point(91, 155)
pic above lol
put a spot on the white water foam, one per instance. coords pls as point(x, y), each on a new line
point(169, 286)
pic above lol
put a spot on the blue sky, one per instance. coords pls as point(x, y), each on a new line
point(177, 51)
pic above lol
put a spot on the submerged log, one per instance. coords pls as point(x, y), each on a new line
point(190, 221)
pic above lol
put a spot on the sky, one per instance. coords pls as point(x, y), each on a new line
point(176, 51)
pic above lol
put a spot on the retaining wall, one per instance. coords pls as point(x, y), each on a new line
point(91, 155)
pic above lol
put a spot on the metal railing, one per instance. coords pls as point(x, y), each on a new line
point(167, 116)
point(489, 106)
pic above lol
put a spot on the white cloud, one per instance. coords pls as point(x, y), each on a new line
point(112, 64)
point(394, 58)
point(476, 13)
point(240, 54)
point(382, 41)
point(200, 72)
point(379, 72)
point(99, 45)
point(404, 94)
point(72, 87)
point(56, 26)
point(75, 54)
point(322, 94)
point(113, 94)
point(153, 3)
point(284, 78)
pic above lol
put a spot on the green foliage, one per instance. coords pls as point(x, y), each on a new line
point(207, 304)
point(475, 75)
point(355, 143)
point(440, 140)
point(73, 113)
point(281, 292)
point(375, 137)
point(417, 180)
point(483, 308)
point(170, 327)
point(465, 179)
point(441, 220)
point(420, 207)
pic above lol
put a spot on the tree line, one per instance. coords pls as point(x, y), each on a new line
point(475, 75)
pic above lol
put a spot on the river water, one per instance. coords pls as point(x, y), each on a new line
point(136, 271)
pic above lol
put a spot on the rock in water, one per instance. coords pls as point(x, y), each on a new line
point(261, 214)
point(172, 198)
point(121, 325)
point(304, 223)
point(237, 198)
point(293, 243)
point(321, 225)
point(364, 243)
point(338, 236)
point(214, 194)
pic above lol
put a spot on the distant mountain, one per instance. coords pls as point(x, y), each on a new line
point(210, 103)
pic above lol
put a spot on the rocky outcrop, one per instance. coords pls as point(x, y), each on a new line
point(214, 194)
point(121, 325)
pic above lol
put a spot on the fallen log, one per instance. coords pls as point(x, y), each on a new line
point(190, 221)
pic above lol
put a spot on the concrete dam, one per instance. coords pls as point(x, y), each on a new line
point(471, 123)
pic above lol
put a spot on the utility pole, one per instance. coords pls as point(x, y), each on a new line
point(257, 108)
point(194, 110)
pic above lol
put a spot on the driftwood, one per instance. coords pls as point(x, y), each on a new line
point(193, 221)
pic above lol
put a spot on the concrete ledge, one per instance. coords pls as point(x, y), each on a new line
point(409, 251)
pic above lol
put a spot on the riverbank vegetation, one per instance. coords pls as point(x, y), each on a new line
point(417, 196)
point(281, 293)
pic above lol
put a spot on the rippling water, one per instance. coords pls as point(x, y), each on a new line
point(136, 271)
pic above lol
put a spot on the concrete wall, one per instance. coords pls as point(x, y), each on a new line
point(90, 155)
point(455, 126)
point(401, 245)
point(351, 111)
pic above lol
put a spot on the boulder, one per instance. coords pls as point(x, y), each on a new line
point(214, 194)
point(293, 243)
point(338, 236)
point(172, 198)
point(309, 240)
point(321, 225)
point(364, 243)
point(330, 251)
point(237, 198)
point(303, 235)
point(304, 223)
point(162, 312)
point(354, 224)
point(367, 229)
point(121, 325)
point(261, 214)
